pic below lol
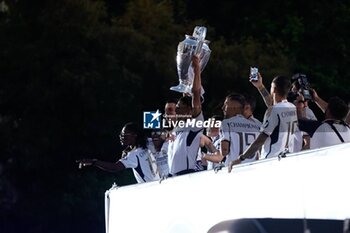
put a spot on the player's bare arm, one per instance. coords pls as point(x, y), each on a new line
point(266, 96)
point(210, 146)
point(215, 155)
point(250, 152)
point(110, 167)
point(254, 147)
point(106, 166)
point(218, 156)
point(263, 91)
point(196, 87)
point(319, 101)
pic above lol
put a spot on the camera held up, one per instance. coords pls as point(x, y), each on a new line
point(303, 86)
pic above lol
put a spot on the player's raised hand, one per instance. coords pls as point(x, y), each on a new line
point(258, 83)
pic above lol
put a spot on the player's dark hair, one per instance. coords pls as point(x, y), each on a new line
point(217, 117)
point(237, 97)
point(249, 99)
point(141, 139)
point(338, 108)
point(282, 85)
point(186, 100)
point(171, 101)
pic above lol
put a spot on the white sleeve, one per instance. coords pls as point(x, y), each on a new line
point(200, 117)
point(270, 122)
point(310, 114)
point(130, 161)
point(225, 131)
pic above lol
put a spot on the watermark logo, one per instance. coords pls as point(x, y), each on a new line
point(191, 123)
point(151, 120)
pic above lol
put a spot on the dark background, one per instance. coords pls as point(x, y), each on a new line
point(72, 72)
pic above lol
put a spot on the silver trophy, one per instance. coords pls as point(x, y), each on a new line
point(192, 45)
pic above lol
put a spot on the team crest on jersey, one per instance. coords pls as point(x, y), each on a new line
point(151, 120)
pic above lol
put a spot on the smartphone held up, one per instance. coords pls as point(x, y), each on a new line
point(254, 74)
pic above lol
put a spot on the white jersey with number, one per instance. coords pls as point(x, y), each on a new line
point(142, 163)
point(183, 151)
point(280, 123)
point(240, 133)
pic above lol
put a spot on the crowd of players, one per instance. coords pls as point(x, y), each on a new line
point(289, 125)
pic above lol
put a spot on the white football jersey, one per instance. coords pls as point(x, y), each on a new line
point(256, 121)
point(280, 124)
point(326, 136)
point(240, 132)
point(299, 135)
point(162, 160)
point(217, 144)
point(184, 148)
point(310, 114)
point(297, 143)
point(142, 163)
